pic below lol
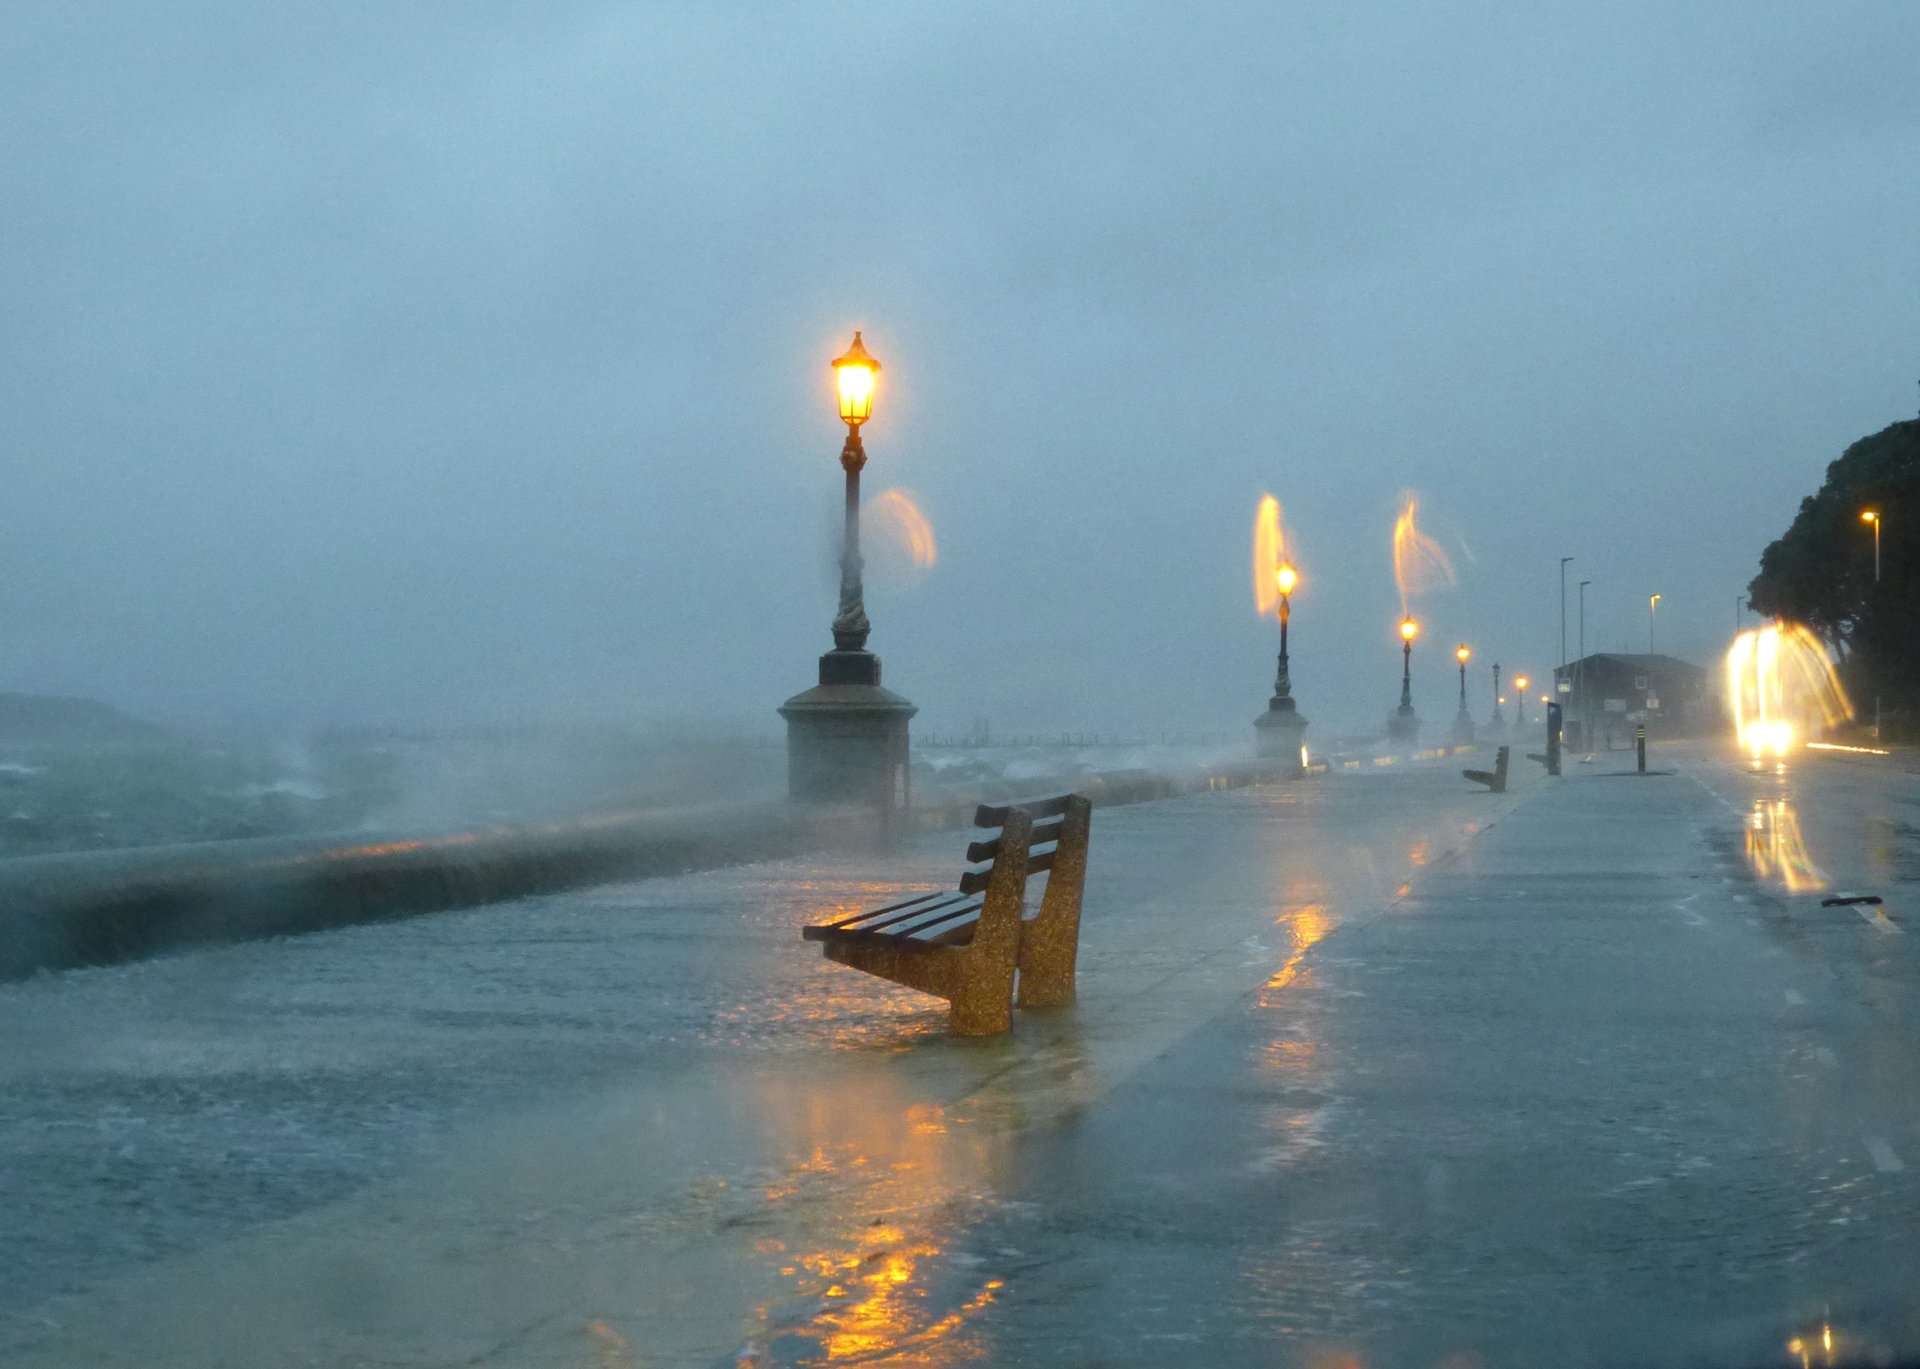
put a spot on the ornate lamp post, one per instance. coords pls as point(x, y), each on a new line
point(847, 737)
point(1404, 725)
point(1462, 723)
point(1278, 729)
point(1519, 700)
point(1498, 722)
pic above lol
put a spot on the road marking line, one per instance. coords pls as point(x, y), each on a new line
point(1879, 921)
point(1796, 999)
point(1884, 1159)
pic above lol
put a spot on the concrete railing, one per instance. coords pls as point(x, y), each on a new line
point(96, 908)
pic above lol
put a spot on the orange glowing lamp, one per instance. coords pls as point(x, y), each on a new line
point(1520, 683)
point(853, 371)
point(1286, 578)
point(1408, 629)
point(1462, 653)
point(1869, 515)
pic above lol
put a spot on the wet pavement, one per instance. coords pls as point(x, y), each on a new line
point(1377, 1069)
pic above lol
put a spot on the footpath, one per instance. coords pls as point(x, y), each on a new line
point(1379, 1069)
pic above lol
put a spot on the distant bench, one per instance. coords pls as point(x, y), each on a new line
point(1496, 778)
point(970, 946)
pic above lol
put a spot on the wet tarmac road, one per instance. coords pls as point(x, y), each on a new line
point(1375, 1070)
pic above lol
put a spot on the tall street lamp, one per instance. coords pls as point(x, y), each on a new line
point(1499, 721)
point(1278, 730)
point(1563, 608)
point(1462, 724)
point(847, 737)
point(1653, 603)
point(1873, 516)
point(1580, 669)
point(1520, 700)
point(1404, 725)
point(853, 372)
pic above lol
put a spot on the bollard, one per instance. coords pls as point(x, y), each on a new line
point(1640, 748)
point(1553, 738)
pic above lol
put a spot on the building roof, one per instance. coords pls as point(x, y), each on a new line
point(1654, 664)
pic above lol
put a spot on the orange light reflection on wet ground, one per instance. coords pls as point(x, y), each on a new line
point(1777, 851)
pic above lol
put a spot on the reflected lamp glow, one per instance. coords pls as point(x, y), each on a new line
point(853, 372)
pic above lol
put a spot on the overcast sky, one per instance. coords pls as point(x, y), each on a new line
point(405, 360)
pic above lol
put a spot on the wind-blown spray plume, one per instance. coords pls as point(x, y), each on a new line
point(1269, 554)
point(1419, 564)
point(1781, 689)
point(901, 536)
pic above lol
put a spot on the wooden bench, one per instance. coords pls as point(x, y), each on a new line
point(1496, 778)
point(971, 947)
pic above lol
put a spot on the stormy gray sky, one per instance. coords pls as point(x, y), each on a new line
point(469, 360)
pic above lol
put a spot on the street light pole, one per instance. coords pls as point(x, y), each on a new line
point(1519, 699)
point(1563, 608)
point(1283, 684)
point(1580, 669)
point(1404, 726)
point(1278, 729)
point(1498, 720)
point(1407, 630)
point(1653, 602)
point(1873, 516)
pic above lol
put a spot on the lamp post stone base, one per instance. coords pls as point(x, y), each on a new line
point(847, 737)
point(1403, 727)
point(1463, 732)
point(1277, 733)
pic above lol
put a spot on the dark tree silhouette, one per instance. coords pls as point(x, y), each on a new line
point(1820, 571)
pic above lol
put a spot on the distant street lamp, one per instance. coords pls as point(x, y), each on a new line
point(1286, 579)
point(1462, 723)
point(847, 737)
point(1498, 720)
point(1404, 726)
point(1520, 700)
point(1278, 730)
point(1653, 603)
point(1873, 516)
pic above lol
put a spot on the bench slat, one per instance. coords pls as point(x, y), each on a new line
point(995, 814)
point(914, 935)
point(852, 918)
point(973, 881)
point(990, 850)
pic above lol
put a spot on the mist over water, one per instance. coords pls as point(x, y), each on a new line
point(449, 367)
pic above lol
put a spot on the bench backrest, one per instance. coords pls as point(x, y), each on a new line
point(1046, 821)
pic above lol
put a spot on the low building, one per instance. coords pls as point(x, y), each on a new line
point(1619, 691)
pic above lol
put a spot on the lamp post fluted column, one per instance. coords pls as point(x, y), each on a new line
point(850, 625)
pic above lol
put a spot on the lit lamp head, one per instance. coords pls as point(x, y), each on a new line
point(1520, 683)
point(1286, 578)
point(1409, 629)
point(1462, 653)
point(853, 371)
point(1870, 515)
